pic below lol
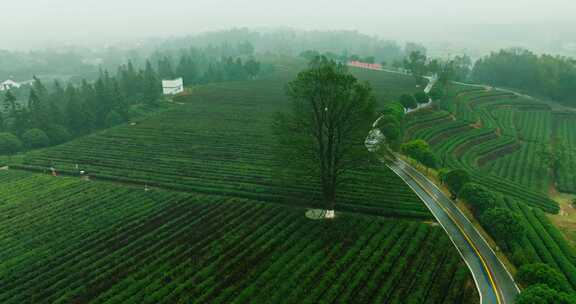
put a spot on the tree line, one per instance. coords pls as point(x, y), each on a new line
point(544, 75)
point(56, 113)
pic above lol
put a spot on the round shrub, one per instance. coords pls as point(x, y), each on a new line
point(479, 198)
point(9, 143)
point(113, 118)
point(542, 294)
point(421, 97)
point(502, 223)
point(393, 108)
point(57, 134)
point(408, 101)
point(436, 93)
point(35, 138)
point(456, 179)
point(539, 273)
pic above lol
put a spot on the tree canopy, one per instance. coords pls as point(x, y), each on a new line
point(479, 198)
point(502, 223)
point(419, 150)
point(81, 107)
point(35, 138)
point(456, 179)
point(415, 63)
point(539, 273)
point(542, 294)
point(408, 101)
point(9, 143)
point(330, 115)
point(421, 97)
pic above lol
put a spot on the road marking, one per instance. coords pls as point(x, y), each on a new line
point(480, 234)
point(482, 260)
point(420, 194)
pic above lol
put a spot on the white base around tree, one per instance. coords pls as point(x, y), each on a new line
point(320, 214)
point(329, 214)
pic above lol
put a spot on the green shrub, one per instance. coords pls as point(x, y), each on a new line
point(539, 273)
point(9, 143)
point(57, 134)
point(456, 179)
point(436, 93)
point(542, 294)
point(442, 174)
point(419, 150)
point(408, 101)
point(35, 138)
point(395, 109)
point(479, 198)
point(113, 118)
point(504, 224)
point(421, 97)
point(389, 125)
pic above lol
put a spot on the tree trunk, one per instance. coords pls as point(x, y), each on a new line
point(330, 199)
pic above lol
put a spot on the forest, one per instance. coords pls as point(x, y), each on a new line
point(552, 77)
point(57, 112)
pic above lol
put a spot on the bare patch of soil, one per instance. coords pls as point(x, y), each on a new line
point(460, 150)
point(493, 155)
point(440, 137)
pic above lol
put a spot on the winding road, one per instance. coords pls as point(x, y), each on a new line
point(494, 282)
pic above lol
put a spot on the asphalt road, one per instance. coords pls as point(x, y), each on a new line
point(494, 282)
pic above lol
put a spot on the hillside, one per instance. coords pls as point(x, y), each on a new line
point(218, 140)
point(216, 224)
point(78, 241)
point(498, 137)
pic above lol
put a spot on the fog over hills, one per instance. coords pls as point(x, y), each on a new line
point(541, 25)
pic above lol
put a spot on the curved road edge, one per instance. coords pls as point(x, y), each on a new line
point(493, 281)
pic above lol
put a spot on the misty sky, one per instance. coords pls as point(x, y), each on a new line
point(32, 23)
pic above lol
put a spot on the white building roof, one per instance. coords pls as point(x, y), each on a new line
point(173, 86)
point(8, 84)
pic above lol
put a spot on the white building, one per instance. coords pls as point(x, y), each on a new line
point(174, 86)
point(9, 84)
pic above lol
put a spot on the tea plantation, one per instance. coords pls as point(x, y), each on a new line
point(218, 141)
point(186, 206)
point(498, 138)
point(69, 240)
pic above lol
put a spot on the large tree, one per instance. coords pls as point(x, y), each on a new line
point(415, 63)
point(419, 150)
point(503, 224)
point(323, 133)
point(455, 180)
point(554, 155)
point(479, 197)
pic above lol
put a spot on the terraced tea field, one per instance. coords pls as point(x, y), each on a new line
point(497, 138)
point(186, 205)
point(543, 242)
point(66, 240)
point(480, 151)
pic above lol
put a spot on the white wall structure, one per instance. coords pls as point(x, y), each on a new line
point(173, 86)
point(9, 84)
